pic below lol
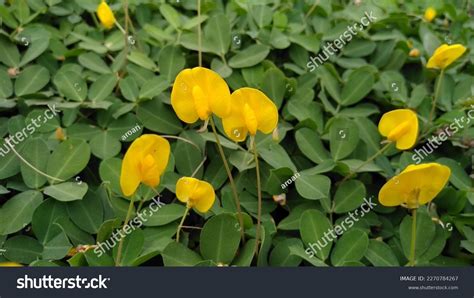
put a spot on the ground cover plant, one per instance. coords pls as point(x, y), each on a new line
point(236, 133)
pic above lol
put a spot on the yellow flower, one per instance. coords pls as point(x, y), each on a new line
point(414, 53)
point(199, 92)
point(145, 161)
point(195, 193)
point(400, 126)
point(252, 110)
point(430, 14)
point(415, 186)
point(105, 14)
point(444, 55)
point(10, 264)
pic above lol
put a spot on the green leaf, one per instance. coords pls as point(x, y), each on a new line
point(68, 159)
point(458, 177)
point(158, 117)
point(313, 187)
point(166, 214)
point(38, 45)
point(310, 144)
point(36, 152)
point(343, 138)
point(250, 56)
point(67, 191)
point(6, 86)
point(352, 246)
point(9, 54)
point(93, 62)
point(18, 211)
point(217, 31)
point(87, 213)
point(104, 145)
point(380, 254)
point(102, 87)
point(358, 85)
point(142, 60)
point(425, 233)
point(274, 85)
point(281, 255)
point(171, 15)
point(31, 80)
point(220, 238)
point(71, 85)
point(176, 254)
point(131, 248)
point(129, 88)
point(349, 196)
point(171, 61)
point(313, 226)
point(154, 87)
point(22, 249)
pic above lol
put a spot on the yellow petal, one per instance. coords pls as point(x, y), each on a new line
point(235, 127)
point(400, 126)
point(215, 88)
point(445, 55)
point(145, 161)
point(182, 99)
point(430, 14)
point(195, 193)
point(10, 264)
point(263, 107)
point(415, 186)
point(197, 93)
point(204, 196)
point(185, 188)
point(105, 15)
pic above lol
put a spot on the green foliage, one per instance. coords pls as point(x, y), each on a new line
point(60, 193)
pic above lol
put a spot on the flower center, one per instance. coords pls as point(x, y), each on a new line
point(250, 119)
point(200, 103)
point(413, 199)
point(399, 131)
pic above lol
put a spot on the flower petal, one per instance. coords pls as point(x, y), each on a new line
point(185, 188)
point(445, 55)
point(215, 88)
point(132, 172)
point(263, 107)
point(182, 97)
point(392, 120)
point(204, 196)
point(105, 15)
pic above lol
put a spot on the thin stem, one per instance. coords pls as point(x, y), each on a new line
point(199, 33)
point(435, 99)
point(181, 223)
point(378, 153)
point(199, 166)
point(231, 179)
point(413, 238)
point(181, 139)
point(259, 194)
point(30, 165)
point(121, 29)
point(127, 219)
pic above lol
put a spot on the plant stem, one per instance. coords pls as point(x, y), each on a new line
point(199, 33)
point(435, 99)
point(181, 223)
point(259, 194)
point(367, 161)
point(231, 179)
point(413, 238)
point(127, 219)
